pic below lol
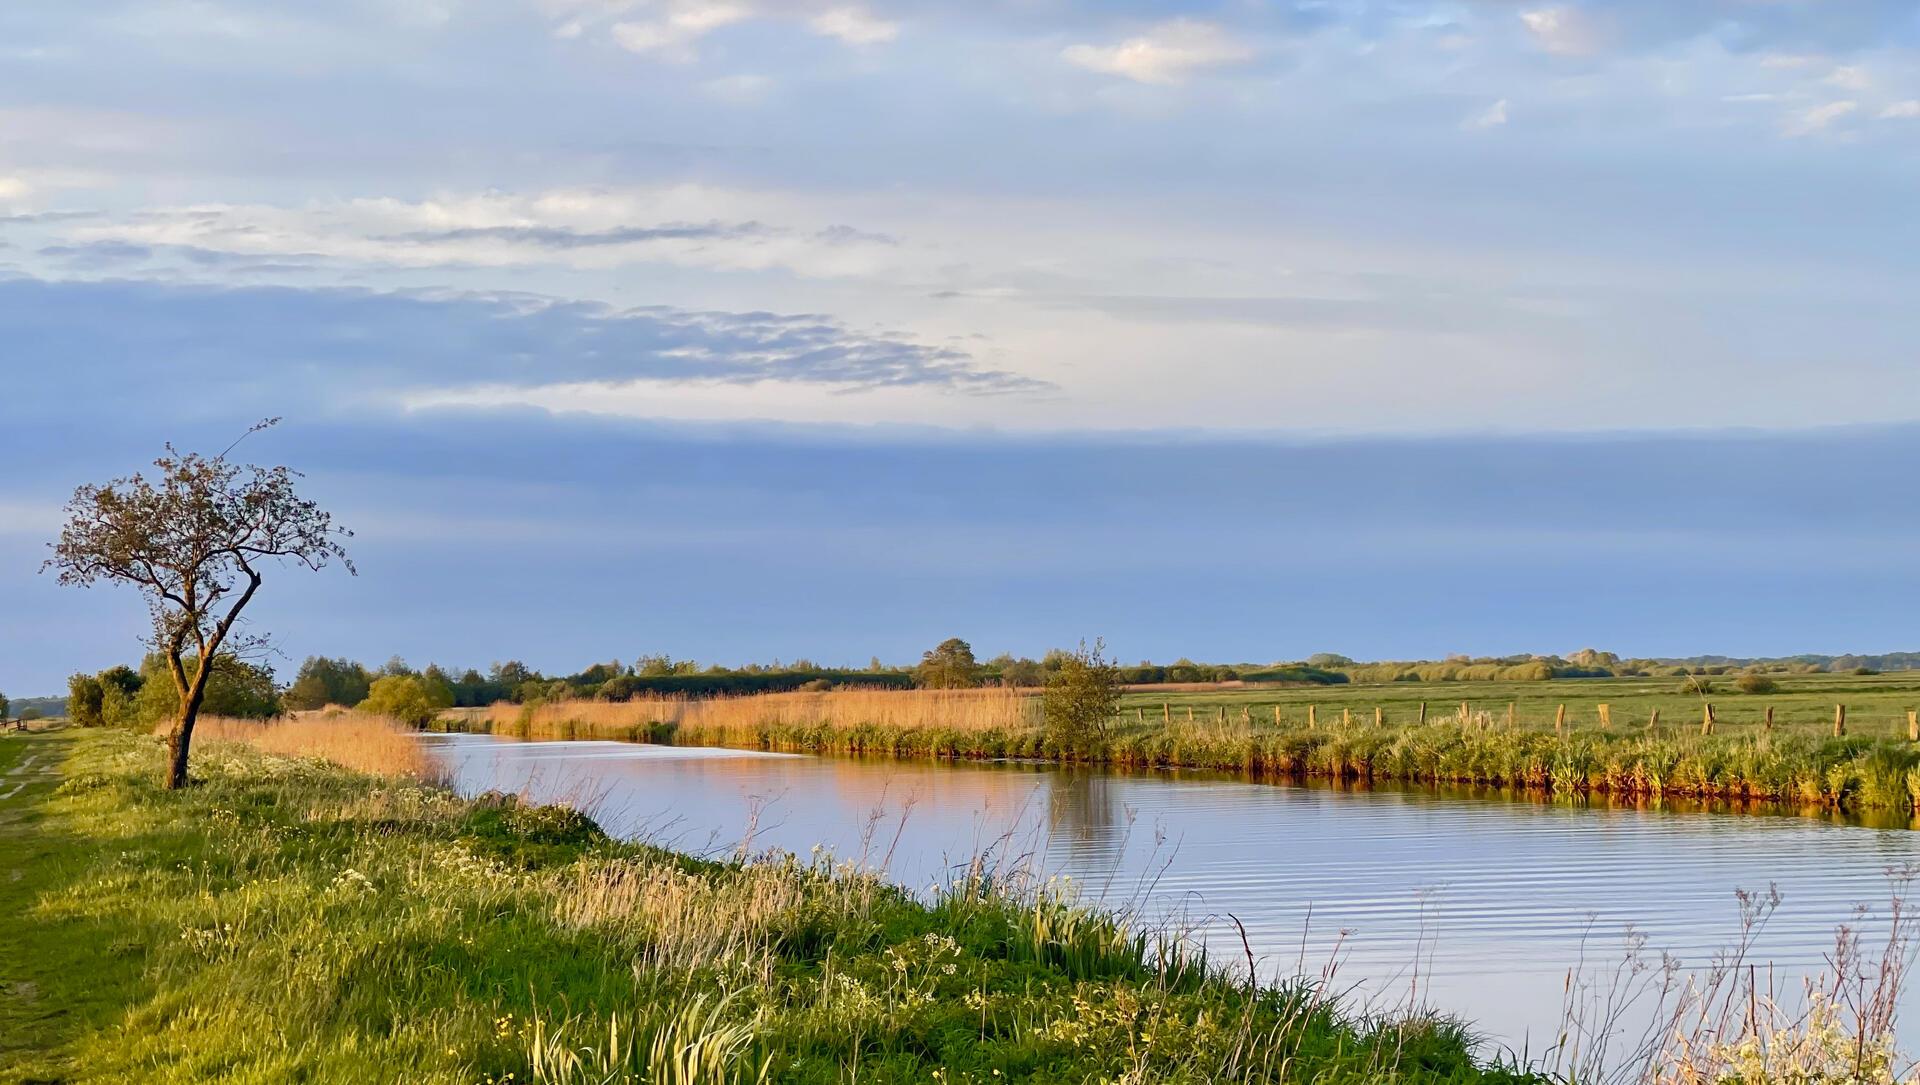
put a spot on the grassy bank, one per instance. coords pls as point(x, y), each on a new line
point(1796, 762)
point(289, 919)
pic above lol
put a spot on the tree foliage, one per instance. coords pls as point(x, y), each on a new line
point(322, 682)
point(1081, 697)
point(950, 665)
point(411, 698)
point(194, 540)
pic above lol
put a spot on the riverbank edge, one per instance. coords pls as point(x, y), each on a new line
point(1781, 772)
point(216, 898)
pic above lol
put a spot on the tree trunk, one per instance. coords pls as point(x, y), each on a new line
point(181, 739)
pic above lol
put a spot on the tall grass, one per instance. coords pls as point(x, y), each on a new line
point(768, 718)
point(354, 740)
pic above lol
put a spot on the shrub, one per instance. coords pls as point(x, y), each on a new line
point(408, 698)
point(1756, 683)
point(1081, 696)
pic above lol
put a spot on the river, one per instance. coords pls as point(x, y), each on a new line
point(1476, 907)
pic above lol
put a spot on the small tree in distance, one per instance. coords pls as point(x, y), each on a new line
point(1081, 697)
point(950, 665)
point(194, 540)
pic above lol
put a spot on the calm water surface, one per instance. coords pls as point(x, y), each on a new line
point(1480, 906)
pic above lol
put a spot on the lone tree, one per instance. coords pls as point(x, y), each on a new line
point(950, 665)
point(194, 540)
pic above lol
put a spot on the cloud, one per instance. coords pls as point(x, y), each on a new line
point(1906, 110)
point(1493, 116)
point(854, 26)
point(1165, 55)
point(584, 228)
point(1565, 31)
point(560, 237)
point(1816, 119)
point(339, 345)
point(14, 188)
point(1849, 77)
point(674, 34)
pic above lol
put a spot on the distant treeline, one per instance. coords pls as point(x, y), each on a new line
point(140, 697)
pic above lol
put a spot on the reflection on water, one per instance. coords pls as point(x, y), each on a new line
point(1476, 907)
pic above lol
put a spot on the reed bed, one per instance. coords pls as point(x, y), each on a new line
point(360, 741)
point(1798, 768)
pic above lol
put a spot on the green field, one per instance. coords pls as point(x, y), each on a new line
point(287, 920)
point(1877, 705)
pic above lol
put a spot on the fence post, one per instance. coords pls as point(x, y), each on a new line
point(1653, 720)
point(1139, 714)
point(1346, 717)
point(1510, 712)
point(1246, 714)
point(1189, 713)
point(1423, 713)
point(1606, 717)
point(1706, 719)
point(1463, 713)
point(1839, 720)
point(1166, 711)
point(1913, 726)
point(1560, 721)
point(1276, 715)
point(1313, 715)
point(1379, 716)
point(1220, 716)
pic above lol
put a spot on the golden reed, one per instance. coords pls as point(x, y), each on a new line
point(733, 721)
point(356, 740)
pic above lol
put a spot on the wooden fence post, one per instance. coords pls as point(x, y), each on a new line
point(1139, 715)
point(1606, 717)
point(1313, 715)
point(1276, 715)
point(1220, 715)
point(1653, 720)
point(1706, 719)
point(1839, 720)
point(1913, 726)
point(1346, 717)
point(1423, 713)
point(1166, 711)
point(1379, 716)
point(1510, 714)
point(1189, 713)
point(1560, 721)
point(1246, 714)
point(1464, 715)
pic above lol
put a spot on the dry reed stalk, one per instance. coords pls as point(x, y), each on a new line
point(740, 720)
point(365, 743)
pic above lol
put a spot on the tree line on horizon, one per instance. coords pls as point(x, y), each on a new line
point(140, 697)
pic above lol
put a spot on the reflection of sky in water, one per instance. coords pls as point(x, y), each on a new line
point(1483, 906)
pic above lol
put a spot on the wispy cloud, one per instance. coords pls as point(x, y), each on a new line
point(854, 26)
point(1493, 116)
point(1905, 110)
point(334, 344)
point(1167, 54)
point(1816, 119)
point(1564, 30)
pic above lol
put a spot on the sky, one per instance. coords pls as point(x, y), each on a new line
point(741, 329)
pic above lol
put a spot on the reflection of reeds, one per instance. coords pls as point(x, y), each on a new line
point(368, 743)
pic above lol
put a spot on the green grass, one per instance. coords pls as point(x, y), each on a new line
point(287, 920)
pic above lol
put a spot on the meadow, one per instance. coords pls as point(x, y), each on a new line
point(1631, 739)
point(292, 919)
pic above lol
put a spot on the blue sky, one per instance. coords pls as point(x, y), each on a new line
point(739, 329)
